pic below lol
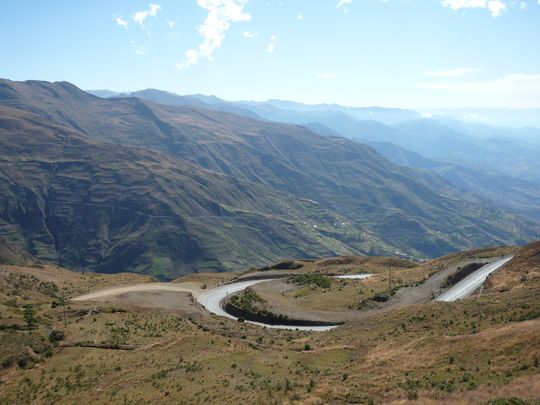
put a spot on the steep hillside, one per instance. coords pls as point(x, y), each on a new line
point(12, 253)
point(522, 270)
point(324, 195)
point(495, 163)
point(114, 208)
point(502, 189)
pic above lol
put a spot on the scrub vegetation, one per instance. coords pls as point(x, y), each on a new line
point(474, 351)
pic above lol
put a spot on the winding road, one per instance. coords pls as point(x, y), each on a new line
point(472, 282)
point(211, 299)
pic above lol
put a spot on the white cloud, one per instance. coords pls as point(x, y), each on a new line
point(271, 45)
point(459, 72)
point(511, 83)
point(141, 50)
point(523, 5)
point(299, 17)
point(140, 16)
point(328, 75)
point(218, 20)
point(191, 56)
point(171, 24)
point(121, 22)
point(495, 7)
point(345, 2)
point(249, 34)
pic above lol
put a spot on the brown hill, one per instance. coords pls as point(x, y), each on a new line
point(190, 170)
point(523, 269)
point(12, 253)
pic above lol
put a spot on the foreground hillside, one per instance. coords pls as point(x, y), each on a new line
point(124, 349)
point(123, 184)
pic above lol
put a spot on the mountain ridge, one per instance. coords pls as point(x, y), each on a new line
point(344, 197)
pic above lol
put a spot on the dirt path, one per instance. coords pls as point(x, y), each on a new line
point(192, 288)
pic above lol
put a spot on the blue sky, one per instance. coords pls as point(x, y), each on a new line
point(393, 53)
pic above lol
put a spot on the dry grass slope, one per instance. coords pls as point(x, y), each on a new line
point(466, 352)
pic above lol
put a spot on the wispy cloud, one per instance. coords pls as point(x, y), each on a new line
point(459, 72)
point(140, 16)
point(218, 20)
point(495, 7)
point(272, 44)
point(249, 34)
point(141, 50)
point(121, 22)
point(328, 75)
point(342, 3)
point(171, 24)
point(299, 17)
point(511, 83)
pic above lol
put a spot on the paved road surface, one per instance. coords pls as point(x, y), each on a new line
point(211, 299)
point(472, 282)
point(354, 276)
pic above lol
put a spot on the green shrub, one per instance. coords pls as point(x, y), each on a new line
point(8, 361)
point(56, 336)
point(317, 280)
point(30, 317)
point(247, 299)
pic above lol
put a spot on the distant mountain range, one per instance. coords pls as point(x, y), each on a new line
point(165, 185)
point(499, 164)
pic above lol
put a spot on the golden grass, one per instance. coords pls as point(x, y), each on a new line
point(465, 352)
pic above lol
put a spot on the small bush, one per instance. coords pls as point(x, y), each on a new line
point(317, 280)
point(247, 300)
point(56, 336)
point(24, 361)
point(7, 362)
point(30, 316)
